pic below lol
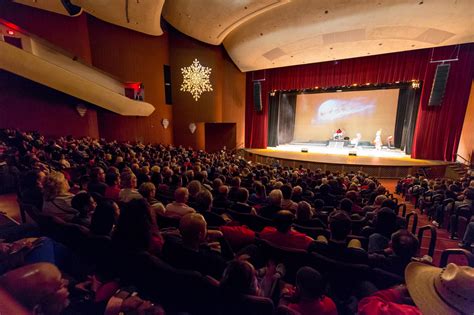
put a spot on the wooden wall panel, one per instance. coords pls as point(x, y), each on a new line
point(133, 56)
point(27, 105)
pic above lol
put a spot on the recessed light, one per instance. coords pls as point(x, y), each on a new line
point(380, 44)
point(413, 45)
point(326, 12)
point(330, 48)
point(261, 34)
point(420, 3)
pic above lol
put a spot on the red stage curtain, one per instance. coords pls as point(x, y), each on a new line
point(431, 140)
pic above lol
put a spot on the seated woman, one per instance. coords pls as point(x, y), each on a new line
point(57, 198)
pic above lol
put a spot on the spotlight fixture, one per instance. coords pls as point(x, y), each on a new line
point(415, 84)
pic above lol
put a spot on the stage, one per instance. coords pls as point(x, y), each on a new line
point(385, 163)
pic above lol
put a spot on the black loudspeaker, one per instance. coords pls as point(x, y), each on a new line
point(352, 153)
point(304, 150)
point(71, 8)
point(167, 77)
point(257, 96)
point(439, 85)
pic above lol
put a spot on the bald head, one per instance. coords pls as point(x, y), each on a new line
point(37, 286)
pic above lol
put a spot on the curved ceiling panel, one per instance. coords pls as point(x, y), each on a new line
point(306, 31)
point(55, 6)
point(142, 16)
point(211, 21)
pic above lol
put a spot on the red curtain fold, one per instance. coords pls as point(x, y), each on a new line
point(433, 138)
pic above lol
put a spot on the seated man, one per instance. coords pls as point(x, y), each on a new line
point(38, 287)
point(308, 297)
point(403, 246)
point(338, 247)
point(221, 200)
point(283, 234)
point(179, 208)
point(304, 215)
point(274, 199)
point(241, 205)
point(287, 203)
point(191, 251)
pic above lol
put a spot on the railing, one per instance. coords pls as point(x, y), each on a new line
point(464, 160)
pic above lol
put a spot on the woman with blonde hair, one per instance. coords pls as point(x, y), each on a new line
point(57, 198)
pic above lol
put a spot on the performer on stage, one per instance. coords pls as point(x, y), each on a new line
point(378, 140)
point(338, 135)
point(355, 141)
point(390, 142)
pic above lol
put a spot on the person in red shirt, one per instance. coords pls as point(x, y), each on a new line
point(283, 234)
point(308, 297)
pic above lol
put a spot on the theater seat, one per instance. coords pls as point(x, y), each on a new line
point(245, 304)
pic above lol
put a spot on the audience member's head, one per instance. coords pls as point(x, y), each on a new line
point(134, 226)
point(404, 244)
point(98, 174)
point(181, 195)
point(147, 190)
point(84, 203)
point(386, 222)
point(319, 205)
point(128, 180)
point(194, 187)
point(283, 220)
point(275, 197)
point(203, 200)
point(309, 284)
point(379, 200)
point(239, 278)
point(286, 191)
point(112, 179)
point(33, 179)
point(193, 228)
point(243, 195)
point(105, 216)
point(346, 205)
point(38, 287)
point(303, 211)
point(339, 225)
point(55, 185)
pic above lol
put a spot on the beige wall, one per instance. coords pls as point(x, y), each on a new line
point(466, 143)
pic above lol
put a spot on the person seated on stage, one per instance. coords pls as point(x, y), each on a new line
point(283, 234)
point(338, 135)
point(390, 142)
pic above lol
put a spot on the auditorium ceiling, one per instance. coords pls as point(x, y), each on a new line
point(263, 34)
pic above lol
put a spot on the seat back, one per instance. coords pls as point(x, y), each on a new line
point(293, 259)
point(456, 251)
point(165, 222)
point(245, 304)
point(384, 279)
point(312, 232)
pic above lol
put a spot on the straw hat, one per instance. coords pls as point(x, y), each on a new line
point(443, 291)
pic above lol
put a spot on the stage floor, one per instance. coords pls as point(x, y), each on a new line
point(327, 155)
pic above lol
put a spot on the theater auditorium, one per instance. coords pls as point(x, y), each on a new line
point(227, 157)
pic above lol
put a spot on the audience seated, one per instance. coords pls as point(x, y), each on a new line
point(283, 234)
point(191, 251)
point(39, 287)
point(241, 204)
point(308, 298)
point(57, 198)
point(181, 179)
point(129, 191)
point(274, 204)
point(179, 208)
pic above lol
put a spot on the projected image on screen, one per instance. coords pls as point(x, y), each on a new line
point(319, 115)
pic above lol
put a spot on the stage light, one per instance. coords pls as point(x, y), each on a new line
point(415, 84)
point(368, 83)
point(10, 32)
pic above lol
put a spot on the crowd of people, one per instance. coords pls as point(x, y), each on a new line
point(213, 213)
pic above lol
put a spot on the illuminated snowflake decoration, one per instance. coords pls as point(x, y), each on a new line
point(196, 79)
